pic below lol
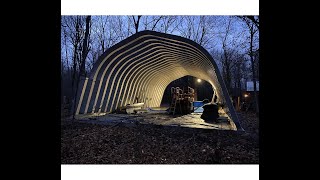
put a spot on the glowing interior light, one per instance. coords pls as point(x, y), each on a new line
point(199, 80)
point(246, 95)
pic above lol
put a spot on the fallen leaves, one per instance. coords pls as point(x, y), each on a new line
point(149, 144)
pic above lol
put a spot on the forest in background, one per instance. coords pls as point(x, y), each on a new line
point(232, 41)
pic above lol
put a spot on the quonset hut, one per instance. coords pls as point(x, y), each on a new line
point(142, 65)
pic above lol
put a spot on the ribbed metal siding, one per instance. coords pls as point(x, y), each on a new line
point(143, 65)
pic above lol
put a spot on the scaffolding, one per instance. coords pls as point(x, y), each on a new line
point(182, 100)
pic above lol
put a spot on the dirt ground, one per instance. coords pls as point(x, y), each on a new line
point(84, 143)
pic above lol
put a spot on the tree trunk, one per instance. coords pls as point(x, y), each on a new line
point(202, 35)
point(82, 62)
point(74, 70)
point(136, 23)
point(85, 47)
point(75, 55)
point(227, 59)
point(253, 71)
point(247, 20)
point(65, 42)
point(102, 46)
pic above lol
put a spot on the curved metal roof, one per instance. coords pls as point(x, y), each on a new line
point(142, 66)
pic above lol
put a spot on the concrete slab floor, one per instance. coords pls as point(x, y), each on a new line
point(192, 120)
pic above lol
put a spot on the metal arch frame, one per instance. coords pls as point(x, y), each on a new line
point(144, 64)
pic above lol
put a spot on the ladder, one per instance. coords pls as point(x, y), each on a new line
point(176, 94)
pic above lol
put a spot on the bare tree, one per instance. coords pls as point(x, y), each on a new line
point(100, 31)
point(118, 27)
point(74, 33)
point(196, 28)
point(136, 22)
point(151, 22)
point(145, 22)
point(185, 26)
point(85, 50)
point(66, 48)
point(176, 23)
point(238, 72)
point(158, 23)
point(256, 61)
point(167, 22)
point(254, 19)
point(226, 59)
point(252, 26)
point(86, 47)
point(232, 56)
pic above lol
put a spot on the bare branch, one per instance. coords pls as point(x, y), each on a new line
point(155, 24)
